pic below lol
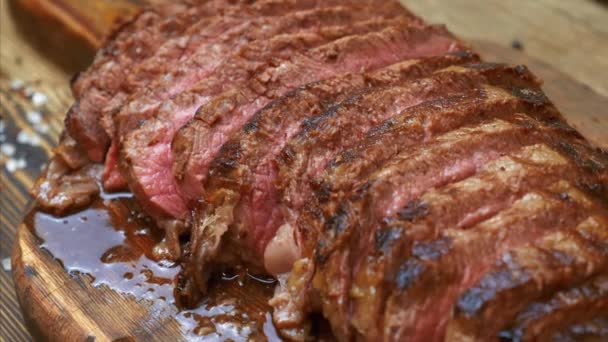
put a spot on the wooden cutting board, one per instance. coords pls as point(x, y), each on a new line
point(63, 306)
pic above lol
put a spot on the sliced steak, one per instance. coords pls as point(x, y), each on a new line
point(244, 165)
point(526, 275)
point(203, 137)
point(151, 179)
point(213, 42)
point(140, 39)
point(131, 43)
point(199, 141)
point(184, 60)
point(270, 127)
point(459, 205)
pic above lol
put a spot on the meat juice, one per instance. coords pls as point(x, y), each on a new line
point(111, 243)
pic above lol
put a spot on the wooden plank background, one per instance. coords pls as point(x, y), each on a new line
point(571, 36)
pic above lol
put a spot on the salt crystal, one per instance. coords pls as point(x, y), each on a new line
point(17, 84)
point(34, 140)
point(42, 128)
point(34, 117)
point(8, 149)
point(38, 99)
point(21, 163)
point(11, 165)
point(28, 91)
point(22, 137)
point(2, 126)
point(6, 264)
point(26, 138)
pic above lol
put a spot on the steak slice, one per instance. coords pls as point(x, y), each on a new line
point(131, 43)
point(151, 180)
point(269, 129)
point(140, 39)
point(526, 275)
point(459, 205)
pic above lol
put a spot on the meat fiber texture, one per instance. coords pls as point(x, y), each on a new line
point(392, 181)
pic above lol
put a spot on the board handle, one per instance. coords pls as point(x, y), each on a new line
point(89, 21)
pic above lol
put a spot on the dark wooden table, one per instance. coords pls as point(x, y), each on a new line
point(568, 36)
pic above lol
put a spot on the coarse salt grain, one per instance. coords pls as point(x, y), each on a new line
point(39, 99)
point(34, 117)
point(6, 264)
point(8, 149)
point(21, 163)
point(28, 91)
point(42, 128)
point(17, 84)
point(26, 138)
point(11, 165)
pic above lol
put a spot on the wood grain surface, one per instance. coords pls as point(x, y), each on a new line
point(564, 42)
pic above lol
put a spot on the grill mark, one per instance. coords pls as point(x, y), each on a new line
point(566, 308)
point(527, 274)
point(595, 329)
point(474, 250)
point(493, 189)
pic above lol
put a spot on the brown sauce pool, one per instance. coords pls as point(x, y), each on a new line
point(112, 243)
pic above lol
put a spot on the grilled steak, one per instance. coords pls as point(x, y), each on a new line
point(387, 177)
